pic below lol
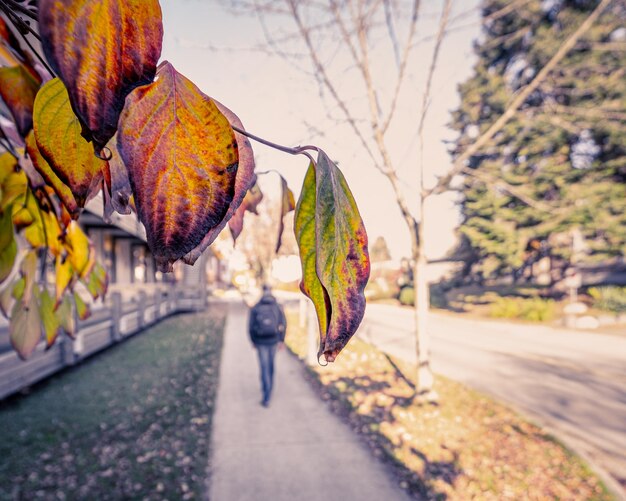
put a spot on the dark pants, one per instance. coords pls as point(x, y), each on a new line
point(266, 362)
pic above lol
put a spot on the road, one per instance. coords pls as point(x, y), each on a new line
point(571, 382)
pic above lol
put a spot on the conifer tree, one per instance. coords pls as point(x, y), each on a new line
point(565, 148)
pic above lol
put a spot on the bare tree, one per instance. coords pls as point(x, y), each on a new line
point(357, 29)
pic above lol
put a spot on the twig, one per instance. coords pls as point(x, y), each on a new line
point(298, 150)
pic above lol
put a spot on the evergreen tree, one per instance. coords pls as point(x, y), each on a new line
point(565, 148)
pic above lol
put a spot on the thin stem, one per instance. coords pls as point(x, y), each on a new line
point(298, 150)
point(37, 55)
point(8, 146)
point(18, 22)
point(19, 7)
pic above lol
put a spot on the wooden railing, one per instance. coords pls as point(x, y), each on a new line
point(121, 316)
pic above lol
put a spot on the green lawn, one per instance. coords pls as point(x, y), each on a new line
point(130, 423)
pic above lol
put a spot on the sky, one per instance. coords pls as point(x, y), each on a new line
point(281, 101)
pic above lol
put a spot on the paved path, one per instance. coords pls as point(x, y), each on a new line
point(572, 382)
point(294, 450)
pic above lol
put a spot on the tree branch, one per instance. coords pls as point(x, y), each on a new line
point(441, 33)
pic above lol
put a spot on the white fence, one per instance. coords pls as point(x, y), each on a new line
point(111, 323)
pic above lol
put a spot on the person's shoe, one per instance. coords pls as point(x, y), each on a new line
point(265, 403)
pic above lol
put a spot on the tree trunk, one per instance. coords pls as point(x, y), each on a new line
point(425, 378)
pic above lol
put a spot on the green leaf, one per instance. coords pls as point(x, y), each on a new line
point(49, 320)
point(29, 271)
point(342, 261)
point(65, 316)
point(82, 308)
point(181, 155)
point(333, 253)
point(304, 228)
point(25, 326)
point(18, 88)
point(8, 246)
point(287, 205)
point(97, 282)
point(102, 50)
point(6, 299)
point(17, 291)
point(58, 137)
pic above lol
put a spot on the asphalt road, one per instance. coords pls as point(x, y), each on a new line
point(571, 382)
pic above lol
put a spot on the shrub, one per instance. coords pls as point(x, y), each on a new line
point(533, 309)
point(407, 296)
point(609, 298)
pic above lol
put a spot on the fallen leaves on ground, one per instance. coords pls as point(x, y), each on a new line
point(467, 447)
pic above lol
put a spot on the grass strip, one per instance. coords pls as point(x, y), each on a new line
point(133, 422)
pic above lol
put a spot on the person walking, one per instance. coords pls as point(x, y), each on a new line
point(266, 326)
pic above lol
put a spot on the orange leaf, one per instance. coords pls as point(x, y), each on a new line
point(58, 137)
point(250, 202)
point(45, 171)
point(287, 205)
point(18, 88)
point(181, 156)
point(245, 179)
point(102, 50)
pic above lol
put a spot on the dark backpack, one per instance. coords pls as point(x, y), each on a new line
point(265, 320)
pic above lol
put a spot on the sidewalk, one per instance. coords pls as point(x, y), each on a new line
point(294, 450)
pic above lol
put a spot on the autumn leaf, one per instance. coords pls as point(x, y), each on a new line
point(102, 50)
point(286, 206)
point(6, 299)
point(82, 308)
point(25, 325)
point(119, 188)
point(45, 171)
point(304, 229)
point(97, 281)
point(181, 156)
point(49, 320)
point(333, 251)
point(8, 246)
point(65, 316)
point(343, 264)
point(18, 88)
point(250, 203)
point(244, 182)
point(64, 275)
point(58, 138)
point(13, 184)
point(79, 249)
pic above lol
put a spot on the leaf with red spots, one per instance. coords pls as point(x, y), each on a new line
point(58, 138)
point(18, 89)
point(102, 50)
point(331, 235)
point(181, 155)
point(286, 206)
point(244, 183)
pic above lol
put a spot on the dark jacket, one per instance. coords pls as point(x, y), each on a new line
point(282, 322)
